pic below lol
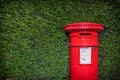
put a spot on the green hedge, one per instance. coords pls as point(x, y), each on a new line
point(34, 45)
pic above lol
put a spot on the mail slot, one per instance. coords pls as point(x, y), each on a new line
point(85, 34)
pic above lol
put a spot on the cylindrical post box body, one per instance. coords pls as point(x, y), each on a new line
point(84, 50)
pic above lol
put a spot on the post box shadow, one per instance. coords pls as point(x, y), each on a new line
point(67, 38)
point(66, 33)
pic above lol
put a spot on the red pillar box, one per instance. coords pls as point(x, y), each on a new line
point(84, 50)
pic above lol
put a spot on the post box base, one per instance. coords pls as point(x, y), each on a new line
point(84, 70)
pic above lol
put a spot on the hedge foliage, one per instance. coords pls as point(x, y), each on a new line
point(34, 45)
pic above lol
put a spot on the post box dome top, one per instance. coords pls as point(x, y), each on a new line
point(84, 26)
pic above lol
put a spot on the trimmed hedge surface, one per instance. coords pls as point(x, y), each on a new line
point(34, 45)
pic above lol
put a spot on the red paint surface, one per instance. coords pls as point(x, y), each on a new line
point(83, 71)
point(83, 34)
